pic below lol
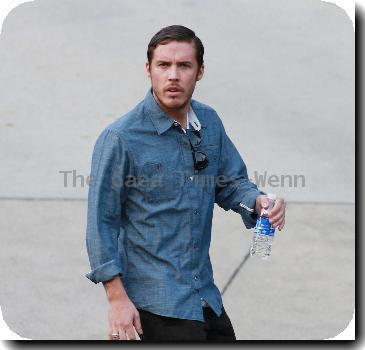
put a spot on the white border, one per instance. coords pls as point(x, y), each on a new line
point(6, 6)
point(6, 333)
point(348, 5)
point(348, 333)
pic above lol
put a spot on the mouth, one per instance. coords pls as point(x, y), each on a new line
point(174, 91)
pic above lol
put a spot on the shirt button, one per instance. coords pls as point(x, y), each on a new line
point(196, 278)
point(195, 246)
point(195, 211)
point(176, 123)
point(191, 178)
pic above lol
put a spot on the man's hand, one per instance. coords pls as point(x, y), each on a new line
point(123, 315)
point(123, 318)
point(276, 215)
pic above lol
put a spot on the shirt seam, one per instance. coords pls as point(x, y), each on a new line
point(124, 143)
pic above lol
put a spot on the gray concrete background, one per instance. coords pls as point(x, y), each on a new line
point(280, 74)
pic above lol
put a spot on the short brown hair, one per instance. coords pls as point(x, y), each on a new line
point(176, 33)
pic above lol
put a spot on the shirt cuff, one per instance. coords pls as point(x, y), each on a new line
point(247, 209)
point(105, 272)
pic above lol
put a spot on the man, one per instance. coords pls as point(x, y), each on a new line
point(151, 200)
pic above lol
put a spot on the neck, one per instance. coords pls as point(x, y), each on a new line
point(178, 114)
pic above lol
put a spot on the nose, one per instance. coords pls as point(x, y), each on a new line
point(173, 73)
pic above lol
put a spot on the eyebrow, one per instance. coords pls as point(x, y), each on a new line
point(180, 62)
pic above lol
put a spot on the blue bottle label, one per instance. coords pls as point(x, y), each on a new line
point(264, 227)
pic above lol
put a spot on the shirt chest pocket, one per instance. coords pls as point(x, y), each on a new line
point(157, 182)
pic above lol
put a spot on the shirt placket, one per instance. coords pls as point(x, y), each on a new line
point(195, 214)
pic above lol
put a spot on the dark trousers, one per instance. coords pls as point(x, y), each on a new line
point(161, 328)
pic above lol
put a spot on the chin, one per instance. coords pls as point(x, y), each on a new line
point(173, 103)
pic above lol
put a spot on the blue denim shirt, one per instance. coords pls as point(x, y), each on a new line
point(150, 213)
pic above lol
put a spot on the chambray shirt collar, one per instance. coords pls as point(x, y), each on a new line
point(160, 119)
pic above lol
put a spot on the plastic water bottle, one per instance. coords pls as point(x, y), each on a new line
point(264, 232)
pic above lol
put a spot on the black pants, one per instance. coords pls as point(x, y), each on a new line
point(161, 328)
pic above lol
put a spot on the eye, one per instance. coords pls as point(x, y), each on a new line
point(162, 64)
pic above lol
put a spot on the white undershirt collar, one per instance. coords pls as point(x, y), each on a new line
point(192, 119)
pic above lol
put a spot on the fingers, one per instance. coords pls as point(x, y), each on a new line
point(122, 317)
point(279, 223)
point(124, 333)
point(113, 335)
point(130, 334)
point(123, 336)
point(117, 333)
point(278, 207)
point(281, 226)
point(137, 323)
point(113, 332)
point(277, 214)
point(275, 219)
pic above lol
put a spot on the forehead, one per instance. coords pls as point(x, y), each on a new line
point(175, 51)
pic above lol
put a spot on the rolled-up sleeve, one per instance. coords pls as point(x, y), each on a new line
point(233, 189)
point(104, 233)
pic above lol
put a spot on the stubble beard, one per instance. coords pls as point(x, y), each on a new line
point(168, 105)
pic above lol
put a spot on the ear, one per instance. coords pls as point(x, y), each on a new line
point(148, 71)
point(200, 73)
